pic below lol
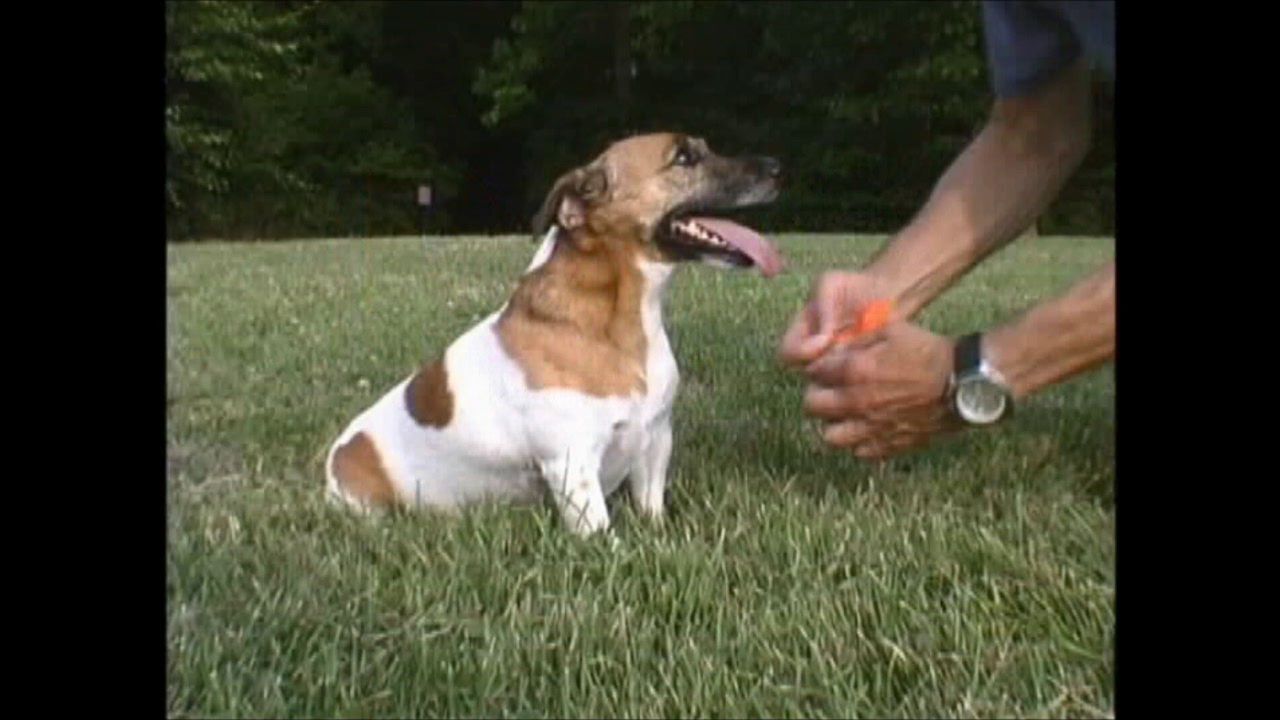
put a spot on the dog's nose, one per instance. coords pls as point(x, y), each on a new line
point(772, 167)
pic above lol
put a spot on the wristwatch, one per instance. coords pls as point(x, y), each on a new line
point(978, 394)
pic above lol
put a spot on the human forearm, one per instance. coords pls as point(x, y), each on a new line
point(994, 190)
point(1057, 339)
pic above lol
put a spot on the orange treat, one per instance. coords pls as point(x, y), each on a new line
point(874, 317)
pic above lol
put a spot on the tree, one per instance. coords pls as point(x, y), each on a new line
point(321, 118)
point(866, 102)
point(276, 126)
point(217, 51)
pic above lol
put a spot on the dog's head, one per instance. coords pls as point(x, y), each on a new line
point(661, 193)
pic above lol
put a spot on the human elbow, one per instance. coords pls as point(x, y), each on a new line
point(1037, 131)
point(1054, 124)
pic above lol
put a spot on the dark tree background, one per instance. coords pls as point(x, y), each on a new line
point(308, 119)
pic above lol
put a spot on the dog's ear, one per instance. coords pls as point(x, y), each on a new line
point(566, 205)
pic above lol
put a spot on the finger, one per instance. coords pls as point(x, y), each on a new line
point(848, 433)
point(828, 403)
point(857, 335)
point(812, 347)
point(828, 308)
point(839, 367)
point(799, 345)
point(871, 450)
point(890, 446)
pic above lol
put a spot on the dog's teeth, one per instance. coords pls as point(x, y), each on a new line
point(698, 232)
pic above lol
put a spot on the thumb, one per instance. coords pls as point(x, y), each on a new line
point(828, 307)
point(797, 342)
point(870, 324)
point(811, 347)
point(823, 329)
point(816, 329)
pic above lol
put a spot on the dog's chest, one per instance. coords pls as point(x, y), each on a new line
point(662, 376)
point(632, 434)
point(661, 383)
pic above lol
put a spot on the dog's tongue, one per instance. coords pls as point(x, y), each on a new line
point(750, 242)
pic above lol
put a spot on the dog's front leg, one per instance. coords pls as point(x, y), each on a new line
point(573, 479)
point(648, 481)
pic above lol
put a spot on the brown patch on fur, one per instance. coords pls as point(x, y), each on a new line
point(575, 322)
point(360, 474)
point(427, 396)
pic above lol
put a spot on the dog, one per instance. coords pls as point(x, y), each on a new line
point(566, 391)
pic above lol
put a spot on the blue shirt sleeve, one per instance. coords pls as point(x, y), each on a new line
point(1026, 45)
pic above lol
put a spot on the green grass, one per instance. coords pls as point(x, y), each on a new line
point(975, 579)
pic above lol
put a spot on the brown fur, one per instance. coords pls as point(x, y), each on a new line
point(627, 190)
point(360, 474)
point(428, 398)
point(575, 322)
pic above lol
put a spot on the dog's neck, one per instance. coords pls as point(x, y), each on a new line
point(582, 314)
point(564, 273)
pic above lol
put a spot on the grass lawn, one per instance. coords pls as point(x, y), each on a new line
point(975, 579)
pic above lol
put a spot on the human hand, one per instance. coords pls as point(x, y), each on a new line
point(885, 398)
point(881, 394)
point(838, 299)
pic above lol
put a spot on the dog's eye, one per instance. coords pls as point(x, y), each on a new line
point(685, 158)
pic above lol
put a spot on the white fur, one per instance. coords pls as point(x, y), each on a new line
point(544, 251)
point(506, 441)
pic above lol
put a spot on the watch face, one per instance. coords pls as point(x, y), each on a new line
point(979, 401)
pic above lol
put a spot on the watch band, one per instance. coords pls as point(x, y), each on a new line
point(971, 367)
point(968, 354)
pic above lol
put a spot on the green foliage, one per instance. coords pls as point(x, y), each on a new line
point(846, 92)
point(506, 81)
point(217, 51)
point(867, 102)
point(276, 126)
point(319, 118)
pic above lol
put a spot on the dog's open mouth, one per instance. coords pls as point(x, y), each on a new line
point(724, 239)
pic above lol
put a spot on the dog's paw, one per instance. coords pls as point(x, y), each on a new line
point(651, 513)
point(585, 526)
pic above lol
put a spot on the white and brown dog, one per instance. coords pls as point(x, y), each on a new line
point(567, 389)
